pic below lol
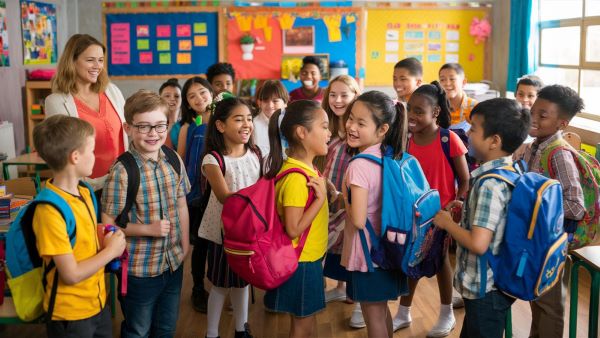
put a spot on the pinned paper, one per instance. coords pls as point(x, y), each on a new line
point(184, 30)
point(451, 58)
point(452, 35)
point(350, 18)
point(286, 21)
point(143, 44)
point(199, 27)
point(145, 57)
point(392, 35)
point(163, 45)
point(392, 46)
point(185, 44)
point(200, 41)
point(120, 42)
point(268, 33)
point(164, 58)
point(163, 31)
point(435, 35)
point(333, 23)
point(391, 58)
point(244, 22)
point(451, 47)
point(434, 58)
point(262, 22)
point(142, 31)
point(184, 58)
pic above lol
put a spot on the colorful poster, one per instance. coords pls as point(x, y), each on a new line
point(120, 51)
point(4, 60)
point(38, 25)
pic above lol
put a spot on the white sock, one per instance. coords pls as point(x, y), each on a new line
point(216, 299)
point(239, 302)
point(446, 311)
point(403, 312)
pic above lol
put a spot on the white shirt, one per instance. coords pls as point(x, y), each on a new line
point(240, 172)
point(261, 134)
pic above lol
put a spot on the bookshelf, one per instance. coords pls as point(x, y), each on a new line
point(35, 93)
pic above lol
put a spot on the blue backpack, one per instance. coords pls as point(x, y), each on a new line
point(193, 160)
point(25, 268)
point(408, 208)
point(532, 254)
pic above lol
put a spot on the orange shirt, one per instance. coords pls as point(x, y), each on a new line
point(109, 133)
point(464, 111)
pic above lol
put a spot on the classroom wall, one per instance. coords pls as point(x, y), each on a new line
point(12, 81)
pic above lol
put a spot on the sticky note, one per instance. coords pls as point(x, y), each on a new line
point(184, 30)
point(434, 58)
point(143, 44)
point(145, 57)
point(200, 41)
point(184, 58)
point(163, 31)
point(142, 31)
point(185, 44)
point(435, 35)
point(199, 27)
point(163, 45)
point(164, 58)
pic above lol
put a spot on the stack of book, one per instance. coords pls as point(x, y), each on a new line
point(10, 206)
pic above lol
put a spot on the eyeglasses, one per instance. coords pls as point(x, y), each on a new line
point(146, 128)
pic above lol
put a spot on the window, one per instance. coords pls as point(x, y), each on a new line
point(570, 48)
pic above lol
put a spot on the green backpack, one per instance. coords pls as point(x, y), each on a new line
point(588, 229)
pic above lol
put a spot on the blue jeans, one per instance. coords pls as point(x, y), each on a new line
point(486, 317)
point(151, 306)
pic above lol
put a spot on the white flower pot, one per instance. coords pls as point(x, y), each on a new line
point(247, 49)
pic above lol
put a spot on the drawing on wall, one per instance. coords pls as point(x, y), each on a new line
point(38, 25)
point(4, 60)
point(299, 40)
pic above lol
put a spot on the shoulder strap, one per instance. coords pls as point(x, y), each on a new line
point(507, 174)
point(372, 158)
point(220, 160)
point(94, 199)
point(172, 158)
point(258, 153)
point(133, 184)
point(445, 143)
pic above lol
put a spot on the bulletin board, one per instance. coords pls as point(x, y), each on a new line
point(434, 36)
point(160, 42)
point(336, 33)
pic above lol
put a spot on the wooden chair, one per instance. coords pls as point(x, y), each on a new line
point(21, 186)
point(573, 139)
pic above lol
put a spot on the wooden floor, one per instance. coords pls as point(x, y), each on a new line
point(333, 322)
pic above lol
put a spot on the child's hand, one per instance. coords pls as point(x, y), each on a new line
point(443, 219)
point(160, 228)
point(453, 204)
point(331, 191)
point(115, 242)
point(319, 186)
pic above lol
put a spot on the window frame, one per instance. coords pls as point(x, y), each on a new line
point(583, 23)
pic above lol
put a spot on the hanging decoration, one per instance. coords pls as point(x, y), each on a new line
point(480, 29)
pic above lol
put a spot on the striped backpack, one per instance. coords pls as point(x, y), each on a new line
point(587, 230)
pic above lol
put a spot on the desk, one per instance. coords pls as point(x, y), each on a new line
point(589, 258)
point(26, 159)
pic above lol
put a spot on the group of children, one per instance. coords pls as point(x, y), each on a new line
point(239, 146)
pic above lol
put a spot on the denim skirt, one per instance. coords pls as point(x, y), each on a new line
point(333, 268)
point(377, 286)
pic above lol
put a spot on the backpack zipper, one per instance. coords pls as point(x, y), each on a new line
point(417, 214)
point(238, 252)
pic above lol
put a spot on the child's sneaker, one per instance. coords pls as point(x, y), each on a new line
point(334, 295)
point(444, 325)
point(200, 301)
point(402, 318)
point(457, 302)
point(245, 333)
point(357, 321)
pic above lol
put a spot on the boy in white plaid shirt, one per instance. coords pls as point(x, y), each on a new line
point(499, 127)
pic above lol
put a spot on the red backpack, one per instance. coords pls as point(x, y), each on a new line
point(254, 239)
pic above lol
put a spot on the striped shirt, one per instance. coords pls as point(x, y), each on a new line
point(565, 169)
point(160, 188)
point(487, 208)
point(336, 164)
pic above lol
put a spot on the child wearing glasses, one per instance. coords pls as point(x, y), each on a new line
point(157, 233)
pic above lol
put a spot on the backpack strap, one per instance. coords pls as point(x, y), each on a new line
point(94, 199)
point(445, 143)
point(133, 184)
point(311, 197)
point(172, 158)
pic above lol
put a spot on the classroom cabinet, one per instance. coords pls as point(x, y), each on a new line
point(35, 94)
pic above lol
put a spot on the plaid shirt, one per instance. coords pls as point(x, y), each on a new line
point(565, 169)
point(160, 188)
point(487, 208)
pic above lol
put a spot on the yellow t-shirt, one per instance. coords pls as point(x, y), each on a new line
point(463, 112)
point(88, 297)
point(293, 192)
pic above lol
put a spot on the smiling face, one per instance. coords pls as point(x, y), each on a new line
point(405, 83)
point(173, 97)
point(270, 106)
point(198, 97)
point(310, 75)
point(361, 128)
point(317, 138)
point(340, 96)
point(452, 82)
point(421, 113)
point(546, 119)
point(526, 95)
point(147, 144)
point(238, 127)
point(89, 64)
point(222, 83)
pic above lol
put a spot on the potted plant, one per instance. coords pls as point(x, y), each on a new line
point(247, 44)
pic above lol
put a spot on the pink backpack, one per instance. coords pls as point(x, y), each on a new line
point(254, 239)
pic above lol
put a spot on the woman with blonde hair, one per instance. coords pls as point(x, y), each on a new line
point(81, 89)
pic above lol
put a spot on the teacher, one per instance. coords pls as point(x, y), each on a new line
point(81, 89)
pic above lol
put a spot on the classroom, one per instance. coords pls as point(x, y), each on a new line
point(230, 168)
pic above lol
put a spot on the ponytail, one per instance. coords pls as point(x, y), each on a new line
point(437, 97)
point(275, 158)
point(397, 135)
